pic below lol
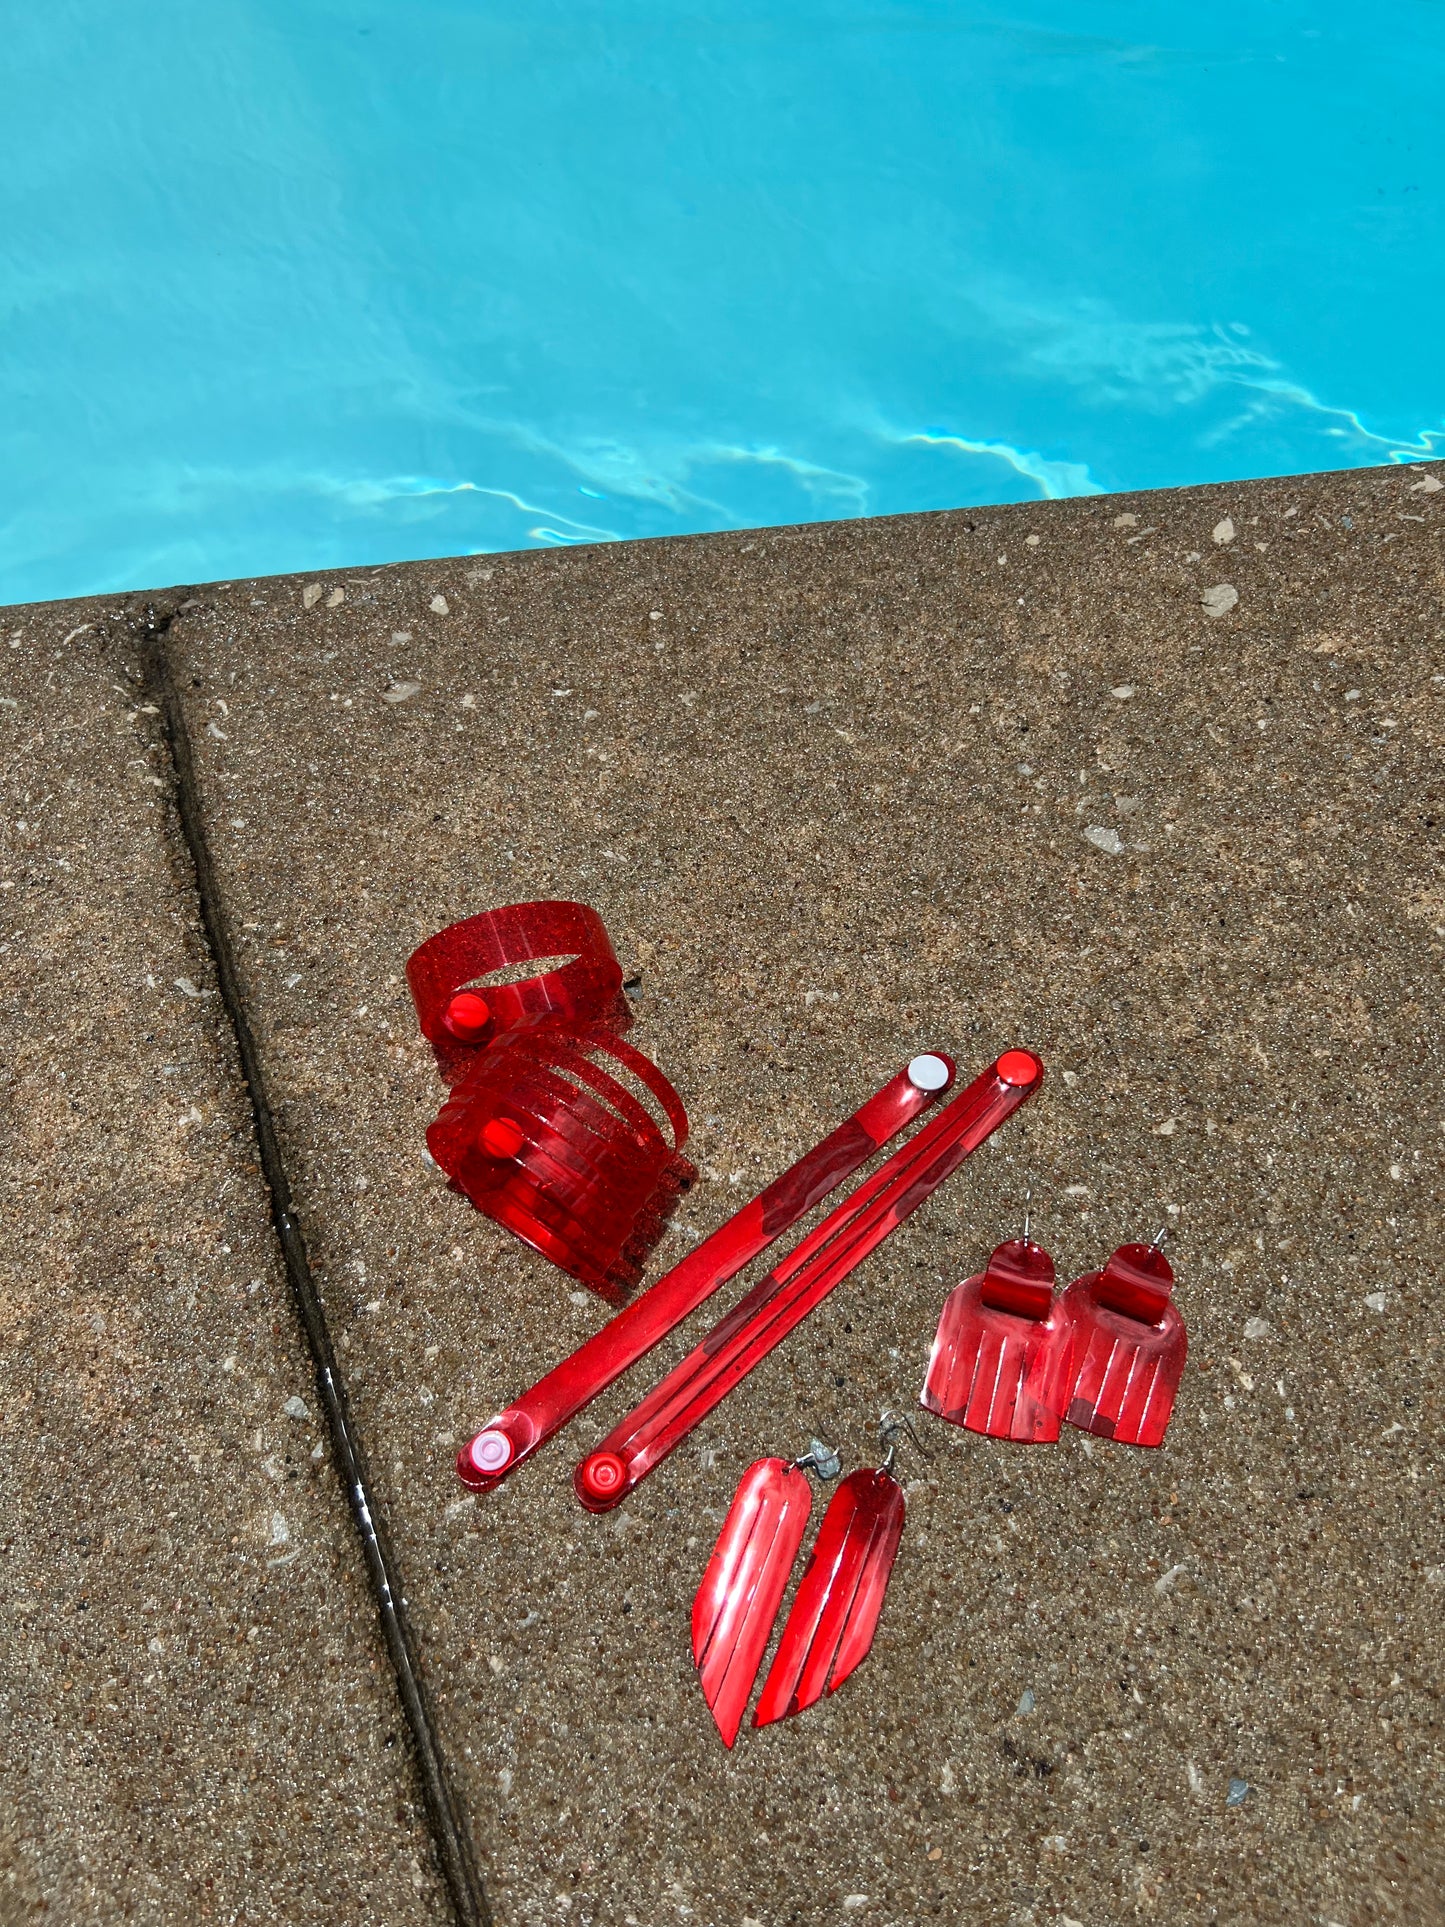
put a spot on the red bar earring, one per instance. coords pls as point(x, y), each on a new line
point(516, 1433)
point(761, 1320)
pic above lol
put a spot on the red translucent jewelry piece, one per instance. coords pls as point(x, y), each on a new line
point(830, 1629)
point(743, 1586)
point(460, 1013)
point(541, 1132)
point(1001, 1354)
point(762, 1319)
point(542, 1136)
point(1127, 1345)
point(513, 1435)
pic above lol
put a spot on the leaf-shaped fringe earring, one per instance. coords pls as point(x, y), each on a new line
point(738, 1600)
point(835, 1614)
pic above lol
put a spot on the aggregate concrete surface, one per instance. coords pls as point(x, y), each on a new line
point(197, 1722)
point(1151, 784)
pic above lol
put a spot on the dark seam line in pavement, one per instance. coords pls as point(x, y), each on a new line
point(453, 1845)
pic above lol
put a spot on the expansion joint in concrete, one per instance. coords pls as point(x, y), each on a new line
point(150, 627)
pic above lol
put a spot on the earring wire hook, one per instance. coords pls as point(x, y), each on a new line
point(890, 1426)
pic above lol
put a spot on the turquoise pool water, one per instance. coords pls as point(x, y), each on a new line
point(296, 283)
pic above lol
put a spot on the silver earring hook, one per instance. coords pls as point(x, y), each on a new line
point(1028, 1200)
point(1157, 1243)
point(890, 1426)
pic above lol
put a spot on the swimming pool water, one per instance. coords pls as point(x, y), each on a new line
point(293, 284)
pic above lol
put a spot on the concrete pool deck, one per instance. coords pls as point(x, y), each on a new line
point(1015, 775)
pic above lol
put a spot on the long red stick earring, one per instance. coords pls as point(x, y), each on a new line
point(796, 1286)
point(1001, 1353)
point(513, 1435)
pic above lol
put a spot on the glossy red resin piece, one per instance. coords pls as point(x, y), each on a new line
point(542, 1137)
point(541, 1132)
point(765, 1316)
point(738, 1600)
point(1127, 1346)
point(460, 1014)
point(516, 1433)
point(830, 1629)
point(468, 1017)
point(1001, 1353)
